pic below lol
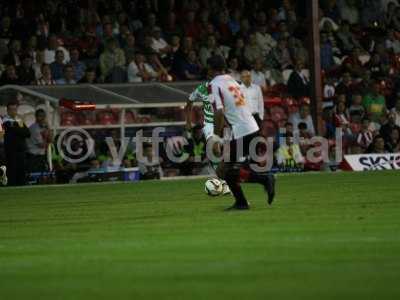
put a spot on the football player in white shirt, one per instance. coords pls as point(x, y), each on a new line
point(230, 105)
point(254, 96)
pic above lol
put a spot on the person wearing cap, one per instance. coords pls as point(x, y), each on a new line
point(158, 44)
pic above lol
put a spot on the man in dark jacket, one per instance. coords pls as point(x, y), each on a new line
point(298, 84)
point(15, 145)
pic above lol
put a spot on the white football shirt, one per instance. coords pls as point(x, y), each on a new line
point(228, 96)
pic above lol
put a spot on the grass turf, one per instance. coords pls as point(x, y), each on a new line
point(328, 236)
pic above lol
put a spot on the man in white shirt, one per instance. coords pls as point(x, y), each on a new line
point(303, 116)
point(254, 97)
point(231, 105)
point(158, 44)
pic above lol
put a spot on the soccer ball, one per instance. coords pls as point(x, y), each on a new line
point(213, 187)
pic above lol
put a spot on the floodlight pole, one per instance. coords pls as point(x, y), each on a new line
point(315, 66)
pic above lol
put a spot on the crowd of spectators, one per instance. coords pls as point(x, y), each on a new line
point(71, 42)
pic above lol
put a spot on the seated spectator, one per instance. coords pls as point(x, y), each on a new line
point(378, 145)
point(298, 84)
point(89, 77)
point(392, 43)
point(149, 166)
point(13, 57)
point(50, 52)
point(233, 69)
point(365, 136)
point(130, 47)
point(77, 64)
point(159, 68)
point(279, 57)
point(375, 66)
point(112, 62)
point(356, 107)
point(46, 78)
point(26, 74)
point(238, 51)
point(159, 45)
point(9, 76)
point(140, 71)
point(342, 119)
point(191, 27)
point(69, 76)
point(387, 128)
point(347, 40)
point(191, 69)
point(345, 87)
point(209, 50)
point(393, 143)
point(253, 51)
point(303, 116)
point(265, 40)
point(304, 136)
point(374, 103)
point(396, 111)
point(57, 67)
point(37, 143)
point(289, 154)
point(37, 65)
point(352, 63)
point(258, 75)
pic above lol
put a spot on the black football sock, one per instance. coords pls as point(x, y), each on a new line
point(232, 178)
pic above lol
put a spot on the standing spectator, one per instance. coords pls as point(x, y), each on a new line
point(303, 116)
point(254, 97)
point(69, 76)
point(37, 143)
point(57, 67)
point(326, 53)
point(77, 64)
point(26, 74)
point(15, 145)
point(130, 47)
point(112, 62)
point(356, 107)
point(46, 78)
point(298, 83)
point(374, 103)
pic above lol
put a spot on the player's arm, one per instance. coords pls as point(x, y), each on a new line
point(260, 104)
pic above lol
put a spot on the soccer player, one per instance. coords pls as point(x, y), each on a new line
point(231, 105)
point(202, 95)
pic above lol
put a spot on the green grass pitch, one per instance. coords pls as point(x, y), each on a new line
point(327, 236)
